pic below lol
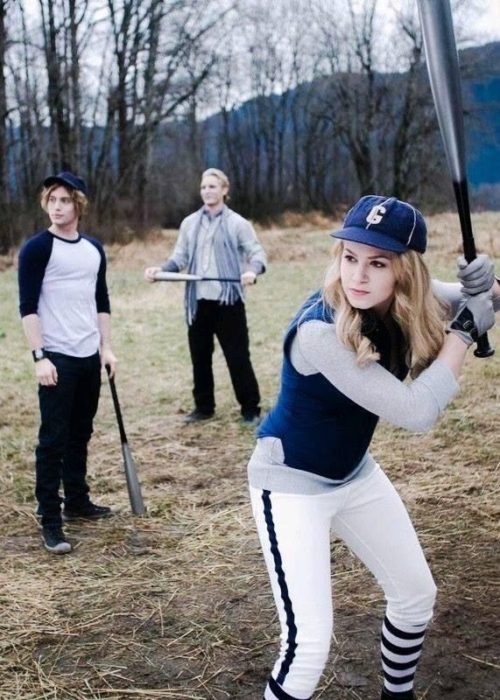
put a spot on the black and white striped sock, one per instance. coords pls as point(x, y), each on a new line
point(400, 651)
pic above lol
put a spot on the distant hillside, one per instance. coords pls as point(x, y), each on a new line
point(254, 133)
point(481, 71)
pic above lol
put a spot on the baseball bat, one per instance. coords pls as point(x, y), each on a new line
point(186, 277)
point(130, 467)
point(444, 76)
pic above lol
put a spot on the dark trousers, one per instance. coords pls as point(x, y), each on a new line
point(67, 411)
point(229, 325)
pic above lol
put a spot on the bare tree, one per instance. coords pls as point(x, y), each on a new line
point(60, 155)
point(5, 237)
point(126, 27)
point(162, 58)
point(353, 97)
point(62, 26)
point(30, 106)
point(413, 123)
point(77, 11)
point(3, 102)
point(268, 64)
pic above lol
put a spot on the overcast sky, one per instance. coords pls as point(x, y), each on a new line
point(483, 17)
point(489, 23)
point(479, 20)
point(485, 24)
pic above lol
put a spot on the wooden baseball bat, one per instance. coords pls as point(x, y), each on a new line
point(444, 76)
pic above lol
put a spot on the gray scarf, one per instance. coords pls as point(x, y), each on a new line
point(227, 261)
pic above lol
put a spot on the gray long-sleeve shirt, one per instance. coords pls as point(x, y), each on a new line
point(415, 405)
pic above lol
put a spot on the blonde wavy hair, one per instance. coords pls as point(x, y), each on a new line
point(79, 199)
point(416, 310)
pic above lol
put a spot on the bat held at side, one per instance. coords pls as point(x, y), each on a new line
point(444, 77)
point(129, 465)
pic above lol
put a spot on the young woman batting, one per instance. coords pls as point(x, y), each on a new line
point(347, 353)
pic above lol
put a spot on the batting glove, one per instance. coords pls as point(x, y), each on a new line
point(474, 318)
point(477, 276)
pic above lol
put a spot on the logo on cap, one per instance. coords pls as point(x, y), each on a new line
point(376, 214)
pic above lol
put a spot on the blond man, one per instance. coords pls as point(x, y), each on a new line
point(219, 244)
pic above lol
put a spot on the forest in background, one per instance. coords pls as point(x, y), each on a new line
point(306, 105)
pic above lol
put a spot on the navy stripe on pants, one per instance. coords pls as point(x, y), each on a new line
point(290, 618)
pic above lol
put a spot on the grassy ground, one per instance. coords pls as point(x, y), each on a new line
point(177, 605)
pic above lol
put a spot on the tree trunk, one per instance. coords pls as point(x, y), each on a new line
point(74, 72)
point(61, 156)
point(5, 224)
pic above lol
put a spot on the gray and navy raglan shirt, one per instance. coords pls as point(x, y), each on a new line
point(64, 283)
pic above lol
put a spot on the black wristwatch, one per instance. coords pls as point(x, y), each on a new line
point(39, 354)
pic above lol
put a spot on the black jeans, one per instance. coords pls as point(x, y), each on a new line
point(67, 411)
point(229, 325)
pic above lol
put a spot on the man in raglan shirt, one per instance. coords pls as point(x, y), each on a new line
point(65, 312)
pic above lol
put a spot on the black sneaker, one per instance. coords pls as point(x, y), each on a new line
point(54, 540)
point(90, 512)
point(197, 415)
point(251, 418)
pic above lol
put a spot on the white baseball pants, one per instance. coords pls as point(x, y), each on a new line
point(294, 531)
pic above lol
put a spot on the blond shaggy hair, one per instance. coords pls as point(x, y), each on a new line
point(221, 176)
point(79, 199)
point(415, 308)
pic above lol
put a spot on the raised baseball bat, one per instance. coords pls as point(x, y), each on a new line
point(130, 467)
point(444, 76)
point(186, 277)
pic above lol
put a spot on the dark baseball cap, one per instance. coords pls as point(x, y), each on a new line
point(386, 223)
point(68, 180)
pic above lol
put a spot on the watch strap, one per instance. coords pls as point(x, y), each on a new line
point(39, 354)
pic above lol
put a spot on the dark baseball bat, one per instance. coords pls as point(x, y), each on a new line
point(129, 465)
point(444, 76)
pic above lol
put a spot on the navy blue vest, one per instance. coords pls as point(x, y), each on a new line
point(321, 429)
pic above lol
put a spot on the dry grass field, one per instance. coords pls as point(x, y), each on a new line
point(176, 604)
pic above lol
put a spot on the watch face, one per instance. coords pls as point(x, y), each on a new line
point(38, 354)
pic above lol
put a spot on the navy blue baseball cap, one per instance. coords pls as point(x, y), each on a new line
point(68, 180)
point(386, 223)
